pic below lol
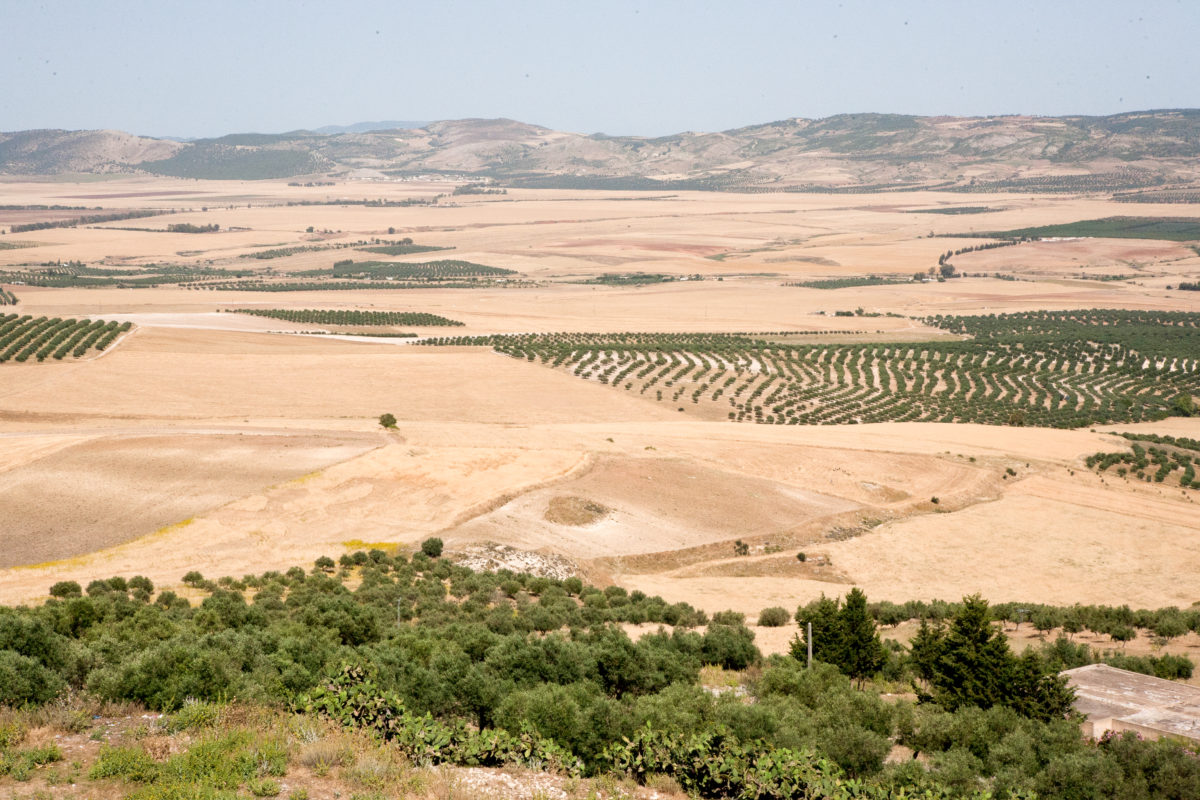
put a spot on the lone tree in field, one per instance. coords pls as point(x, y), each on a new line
point(432, 547)
point(388, 421)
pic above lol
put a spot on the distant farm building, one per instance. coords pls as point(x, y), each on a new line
point(1118, 700)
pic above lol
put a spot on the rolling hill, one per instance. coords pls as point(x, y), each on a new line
point(1151, 149)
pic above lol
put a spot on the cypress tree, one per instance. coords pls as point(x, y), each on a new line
point(828, 641)
point(862, 653)
point(844, 636)
point(926, 647)
point(975, 666)
point(1036, 691)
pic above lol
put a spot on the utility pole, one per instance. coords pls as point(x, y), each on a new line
point(808, 639)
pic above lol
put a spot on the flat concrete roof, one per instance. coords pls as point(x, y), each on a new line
point(1103, 692)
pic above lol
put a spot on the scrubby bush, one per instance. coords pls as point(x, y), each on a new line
point(24, 680)
point(66, 589)
point(165, 675)
point(729, 646)
point(774, 617)
point(496, 668)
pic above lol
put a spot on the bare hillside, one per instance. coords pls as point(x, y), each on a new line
point(870, 152)
point(54, 151)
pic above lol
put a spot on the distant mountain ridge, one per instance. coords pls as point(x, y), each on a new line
point(844, 152)
point(369, 127)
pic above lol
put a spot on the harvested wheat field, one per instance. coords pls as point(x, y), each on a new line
point(214, 440)
point(100, 491)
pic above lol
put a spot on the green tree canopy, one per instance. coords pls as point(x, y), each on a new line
point(970, 664)
point(843, 635)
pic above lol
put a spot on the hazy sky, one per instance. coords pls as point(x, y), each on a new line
point(200, 69)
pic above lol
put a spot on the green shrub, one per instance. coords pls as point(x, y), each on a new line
point(66, 589)
point(20, 764)
point(466, 678)
point(26, 681)
point(354, 700)
point(855, 749)
point(194, 714)
point(728, 618)
point(774, 617)
point(710, 764)
point(263, 787)
point(32, 637)
point(142, 583)
point(578, 718)
point(164, 675)
point(127, 763)
point(729, 646)
point(12, 733)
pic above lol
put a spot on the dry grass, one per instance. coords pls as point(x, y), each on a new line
point(444, 784)
point(383, 770)
point(715, 676)
point(665, 785)
point(574, 511)
point(322, 756)
point(73, 713)
point(104, 491)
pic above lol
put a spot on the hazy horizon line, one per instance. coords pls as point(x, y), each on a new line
point(419, 124)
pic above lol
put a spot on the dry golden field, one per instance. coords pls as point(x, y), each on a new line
point(225, 443)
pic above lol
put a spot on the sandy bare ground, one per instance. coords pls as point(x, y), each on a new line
point(17, 450)
point(465, 481)
point(752, 304)
point(166, 374)
point(1072, 257)
point(104, 491)
point(749, 304)
point(1049, 550)
point(395, 494)
point(655, 505)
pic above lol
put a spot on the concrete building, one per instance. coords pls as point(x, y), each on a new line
point(1118, 700)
